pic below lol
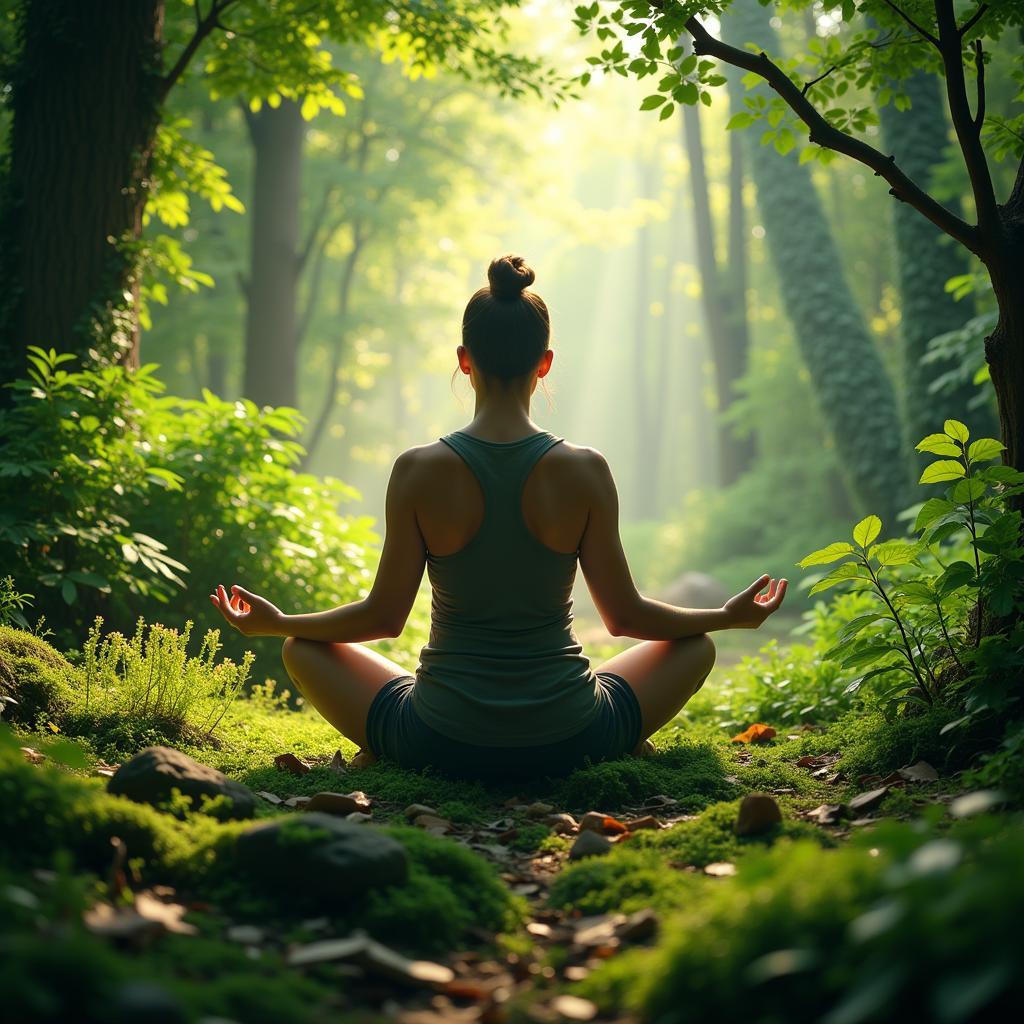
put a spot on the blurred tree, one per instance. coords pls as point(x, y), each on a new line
point(723, 290)
point(916, 34)
point(89, 83)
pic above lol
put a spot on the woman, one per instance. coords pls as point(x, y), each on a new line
point(500, 512)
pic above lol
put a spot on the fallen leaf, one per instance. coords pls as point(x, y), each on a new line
point(826, 814)
point(271, 798)
point(291, 764)
point(867, 801)
point(338, 763)
point(720, 869)
point(922, 771)
point(598, 821)
point(757, 733)
point(32, 755)
point(326, 950)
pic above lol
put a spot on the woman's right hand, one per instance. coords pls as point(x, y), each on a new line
point(749, 608)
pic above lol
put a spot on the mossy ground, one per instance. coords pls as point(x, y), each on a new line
point(455, 898)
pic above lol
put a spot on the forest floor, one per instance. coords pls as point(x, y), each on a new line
point(540, 933)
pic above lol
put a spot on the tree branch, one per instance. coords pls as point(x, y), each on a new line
point(922, 32)
point(968, 133)
point(829, 137)
point(979, 67)
point(973, 19)
point(204, 26)
point(815, 81)
point(314, 229)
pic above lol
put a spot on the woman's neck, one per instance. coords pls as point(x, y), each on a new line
point(502, 416)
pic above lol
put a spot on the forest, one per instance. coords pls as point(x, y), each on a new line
point(782, 243)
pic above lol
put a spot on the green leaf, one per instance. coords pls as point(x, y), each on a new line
point(743, 119)
point(930, 511)
point(939, 444)
point(955, 576)
point(984, 449)
point(841, 574)
point(965, 491)
point(957, 430)
point(869, 653)
point(895, 552)
point(666, 111)
point(867, 530)
point(652, 101)
point(68, 591)
point(941, 471)
point(826, 555)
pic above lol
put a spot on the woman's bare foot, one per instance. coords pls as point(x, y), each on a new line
point(363, 759)
point(645, 748)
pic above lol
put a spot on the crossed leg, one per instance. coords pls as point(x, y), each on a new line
point(664, 675)
point(340, 681)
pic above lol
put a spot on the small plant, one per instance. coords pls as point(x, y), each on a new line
point(933, 595)
point(152, 677)
point(13, 604)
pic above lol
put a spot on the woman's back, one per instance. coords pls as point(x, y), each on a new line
point(502, 522)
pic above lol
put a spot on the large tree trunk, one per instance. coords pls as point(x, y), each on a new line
point(723, 290)
point(87, 94)
point(926, 260)
point(270, 324)
point(853, 389)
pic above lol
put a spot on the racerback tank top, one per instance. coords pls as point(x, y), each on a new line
point(503, 666)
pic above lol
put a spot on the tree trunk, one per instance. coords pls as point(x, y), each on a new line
point(723, 292)
point(87, 94)
point(270, 325)
point(926, 259)
point(850, 380)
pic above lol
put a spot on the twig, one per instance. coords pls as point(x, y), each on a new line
point(922, 32)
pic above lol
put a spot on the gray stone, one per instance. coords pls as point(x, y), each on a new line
point(321, 856)
point(151, 774)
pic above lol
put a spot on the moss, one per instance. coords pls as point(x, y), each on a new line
point(32, 673)
point(529, 837)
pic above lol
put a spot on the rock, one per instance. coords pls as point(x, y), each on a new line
point(138, 1001)
point(432, 823)
point(720, 869)
point(598, 821)
point(291, 764)
point(695, 590)
point(538, 810)
point(638, 926)
point(826, 814)
point(151, 774)
point(758, 813)
point(589, 844)
point(321, 858)
point(296, 803)
point(271, 798)
point(248, 934)
point(358, 817)
point(338, 762)
point(922, 771)
point(339, 803)
point(415, 810)
point(636, 824)
point(562, 824)
point(573, 1008)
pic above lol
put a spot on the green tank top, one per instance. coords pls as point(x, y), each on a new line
point(503, 666)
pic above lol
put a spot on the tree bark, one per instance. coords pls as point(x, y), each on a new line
point(270, 326)
point(87, 94)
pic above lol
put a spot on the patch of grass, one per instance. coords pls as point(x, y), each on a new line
point(33, 674)
point(529, 837)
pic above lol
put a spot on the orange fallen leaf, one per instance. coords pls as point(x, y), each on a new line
point(757, 733)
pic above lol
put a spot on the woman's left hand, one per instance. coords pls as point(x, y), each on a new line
point(250, 614)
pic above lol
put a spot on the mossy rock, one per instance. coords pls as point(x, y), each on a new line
point(34, 675)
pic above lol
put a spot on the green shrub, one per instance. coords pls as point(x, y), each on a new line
point(151, 678)
point(902, 923)
point(35, 679)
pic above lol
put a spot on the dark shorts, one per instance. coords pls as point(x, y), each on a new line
point(394, 730)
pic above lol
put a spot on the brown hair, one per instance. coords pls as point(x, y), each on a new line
point(506, 327)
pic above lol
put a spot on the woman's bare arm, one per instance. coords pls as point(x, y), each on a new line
point(623, 609)
point(382, 613)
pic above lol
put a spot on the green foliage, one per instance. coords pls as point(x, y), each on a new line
point(13, 604)
point(36, 682)
point(152, 678)
point(108, 493)
point(903, 921)
point(918, 637)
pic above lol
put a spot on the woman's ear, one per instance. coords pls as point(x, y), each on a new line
point(462, 353)
point(545, 363)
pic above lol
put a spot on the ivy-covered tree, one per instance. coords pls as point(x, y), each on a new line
point(822, 94)
point(851, 383)
point(89, 84)
point(926, 259)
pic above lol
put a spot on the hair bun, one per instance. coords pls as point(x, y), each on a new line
point(508, 276)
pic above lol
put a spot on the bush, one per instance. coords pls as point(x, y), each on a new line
point(902, 923)
point(111, 493)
